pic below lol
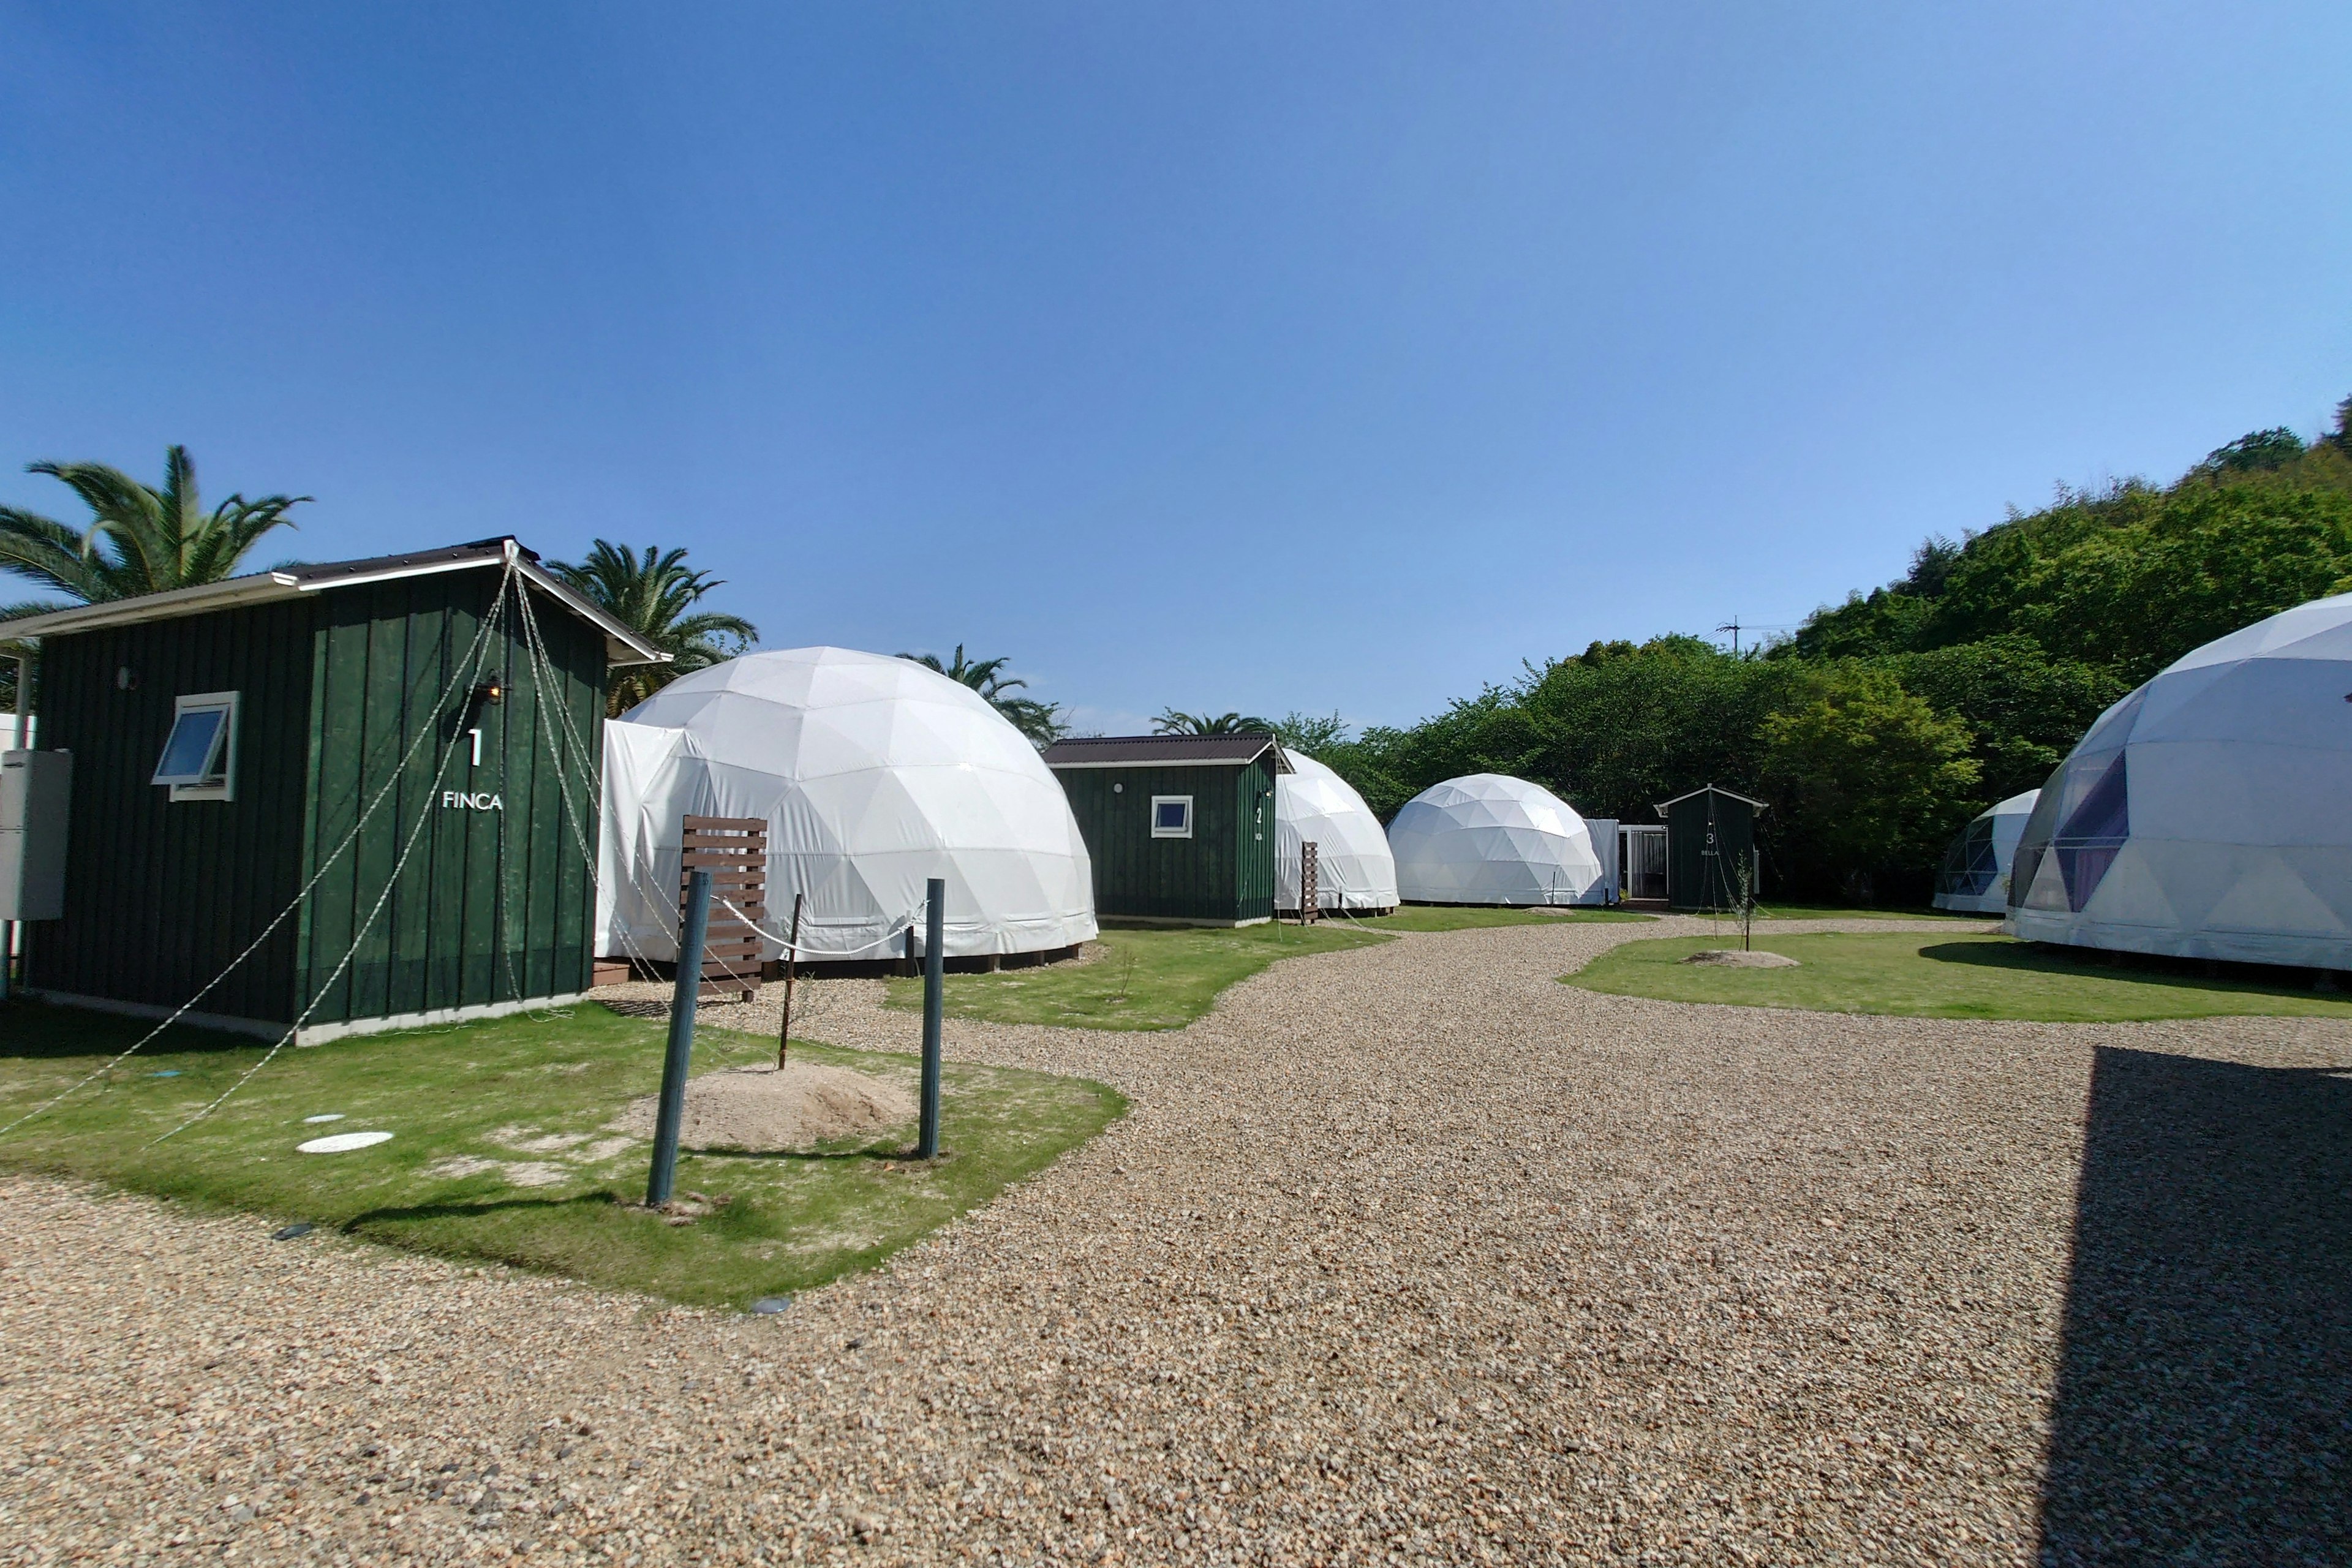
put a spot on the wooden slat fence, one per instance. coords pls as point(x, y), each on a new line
point(734, 850)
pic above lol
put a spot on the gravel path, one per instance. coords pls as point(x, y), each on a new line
point(1407, 1253)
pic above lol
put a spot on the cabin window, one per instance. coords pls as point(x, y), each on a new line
point(1172, 816)
point(199, 760)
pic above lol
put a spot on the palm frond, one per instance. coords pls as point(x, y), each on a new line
point(49, 553)
point(138, 541)
point(653, 593)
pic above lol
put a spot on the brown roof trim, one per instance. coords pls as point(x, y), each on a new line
point(1718, 789)
point(622, 646)
point(1164, 752)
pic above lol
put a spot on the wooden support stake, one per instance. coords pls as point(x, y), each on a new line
point(791, 968)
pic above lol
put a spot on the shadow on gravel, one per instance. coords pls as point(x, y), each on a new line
point(2204, 1402)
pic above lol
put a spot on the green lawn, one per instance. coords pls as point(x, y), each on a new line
point(1163, 977)
point(1841, 912)
point(501, 1150)
point(1146, 977)
point(1940, 977)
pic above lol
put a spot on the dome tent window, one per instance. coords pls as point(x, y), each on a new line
point(2202, 815)
point(1975, 873)
point(1172, 816)
point(199, 756)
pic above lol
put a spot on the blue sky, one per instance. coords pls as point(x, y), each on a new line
point(1260, 357)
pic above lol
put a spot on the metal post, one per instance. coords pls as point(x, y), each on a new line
point(681, 1039)
point(935, 894)
point(792, 970)
point(24, 741)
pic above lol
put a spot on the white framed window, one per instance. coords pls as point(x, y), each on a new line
point(199, 759)
point(1172, 816)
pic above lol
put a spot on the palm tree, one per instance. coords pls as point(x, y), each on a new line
point(1172, 722)
point(138, 541)
point(1042, 722)
point(652, 594)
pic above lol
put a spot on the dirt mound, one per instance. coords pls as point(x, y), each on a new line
point(762, 1111)
point(1733, 958)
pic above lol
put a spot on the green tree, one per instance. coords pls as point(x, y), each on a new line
point(1041, 721)
point(654, 594)
point(1621, 728)
point(1311, 733)
point(1171, 722)
point(2257, 451)
point(2024, 709)
point(1867, 780)
point(139, 540)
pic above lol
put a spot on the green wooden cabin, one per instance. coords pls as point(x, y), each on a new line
point(1710, 835)
point(1180, 827)
point(227, 740)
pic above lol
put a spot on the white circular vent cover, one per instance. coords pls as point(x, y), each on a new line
point(343, 1142)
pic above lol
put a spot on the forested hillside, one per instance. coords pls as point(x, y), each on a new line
point(1885, 722)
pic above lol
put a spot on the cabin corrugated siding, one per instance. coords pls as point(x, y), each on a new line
point(161, 897)
point(1224, 872)
point(489, 905)
point(1708, 836)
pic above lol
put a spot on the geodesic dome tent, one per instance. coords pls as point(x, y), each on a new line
point(1353, 866)
point(1974, 876)
point(2205, 814)
point(873, 775)
point(1486, 839)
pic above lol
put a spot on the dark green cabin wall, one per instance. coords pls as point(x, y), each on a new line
point(1223, 872)
point(489, 906)
point(159, 897)
point(1696, 879)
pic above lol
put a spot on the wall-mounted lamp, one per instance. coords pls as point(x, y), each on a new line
point(493, 689)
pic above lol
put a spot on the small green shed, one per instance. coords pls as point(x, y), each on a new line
point(353, 796)
point(1180, 827)
point(1710, 838)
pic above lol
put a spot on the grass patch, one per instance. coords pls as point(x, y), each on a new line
point(501, 1150)
point(1163, 977)
point(1843, 912)
point(1147, 977)
point(1911, 975)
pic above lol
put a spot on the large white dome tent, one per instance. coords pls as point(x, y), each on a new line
point(1974, 876)
point(1486, 839)
point(874, 775)
point(1354, 869)
point(2204, 816)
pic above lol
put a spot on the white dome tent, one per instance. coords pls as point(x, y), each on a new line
point(873, 775)
point(1489, 839)
point(2204, 816)
point(1974, 876)
point(1353, 868)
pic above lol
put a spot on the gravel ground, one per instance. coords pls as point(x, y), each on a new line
point(1408, 1253)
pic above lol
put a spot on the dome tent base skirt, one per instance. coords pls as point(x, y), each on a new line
point(1112, 922)
point(2263, 950)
